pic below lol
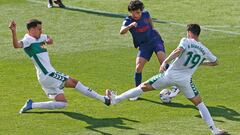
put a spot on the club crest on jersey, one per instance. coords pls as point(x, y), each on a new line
point(142, 29)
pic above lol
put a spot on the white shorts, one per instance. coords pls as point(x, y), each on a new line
point(53, 84)
point(162, 81)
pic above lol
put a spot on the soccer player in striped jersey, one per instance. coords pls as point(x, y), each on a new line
point(186, 58)
point(52, 82)
point(145, 37)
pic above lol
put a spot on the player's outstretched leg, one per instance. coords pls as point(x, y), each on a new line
point(134, 92)
point(72, 83)
point(197, 101)
point(60, 102)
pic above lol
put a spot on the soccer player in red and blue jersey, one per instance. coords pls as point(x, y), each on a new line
point(145, 37)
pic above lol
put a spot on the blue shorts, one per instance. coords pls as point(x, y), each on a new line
point(146, 50)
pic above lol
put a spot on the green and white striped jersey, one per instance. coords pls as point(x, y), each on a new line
point(35, 49)
point(186, 63)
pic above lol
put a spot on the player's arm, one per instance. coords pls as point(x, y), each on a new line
point(125, 29)
point(16, 43)
point(151, 22)
point(208, 63)
point(210, 60)
point(175, 53)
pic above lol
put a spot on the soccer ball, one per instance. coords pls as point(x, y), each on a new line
point(164, 96)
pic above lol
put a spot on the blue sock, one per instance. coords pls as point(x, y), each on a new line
point(138, 78)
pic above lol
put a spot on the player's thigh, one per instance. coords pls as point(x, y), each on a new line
point(159, 46)
point(159, 49)
point(188, 88)
point(159, 81)
point(161, 56)
point(53, 84)
point(52, 92)
point(146, 51)
point(71, 83)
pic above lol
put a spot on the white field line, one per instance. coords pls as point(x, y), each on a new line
point(221, 26)
point(208, 28)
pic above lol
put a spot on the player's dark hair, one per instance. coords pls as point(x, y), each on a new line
point(135, 5)
point(194, 28)
point(33, 23)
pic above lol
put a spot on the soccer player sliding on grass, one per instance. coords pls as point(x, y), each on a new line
point(186, 58)
point(52, 82)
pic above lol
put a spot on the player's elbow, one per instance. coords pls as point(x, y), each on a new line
point(16, 46)
point(122, 31)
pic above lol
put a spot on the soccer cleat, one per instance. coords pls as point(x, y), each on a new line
point(112, 96)
point(174, 92)
point(133, 98)
point(219, 132)
point(50, 5)
point(27, 106)
point(107, 101)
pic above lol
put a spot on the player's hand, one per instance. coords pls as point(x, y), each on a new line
point(163, 67)
point(12, 25)
point(49, 41)
point(133, 24)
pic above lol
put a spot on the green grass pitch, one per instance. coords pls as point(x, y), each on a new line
point(87, 46)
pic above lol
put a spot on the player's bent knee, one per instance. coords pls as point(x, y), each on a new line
point(71, 83)
point(146, 87)
point(60, 98)
point(196, 100)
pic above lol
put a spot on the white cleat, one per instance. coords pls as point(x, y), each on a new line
point(50, 5)
point(133, 98)
point(112, 96)
point(219, 132)
point(174, 92)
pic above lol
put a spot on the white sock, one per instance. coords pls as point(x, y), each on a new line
point(134, 92)
point(89, 92)
point(49, 105)
point(206, 116)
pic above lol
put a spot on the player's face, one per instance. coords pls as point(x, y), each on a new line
point(36, 31)
point(136, 14)
point(189, 34)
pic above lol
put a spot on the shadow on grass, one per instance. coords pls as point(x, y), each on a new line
point(107, 14)
point(218, 111)
point(94, 123)
point(96, 12)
